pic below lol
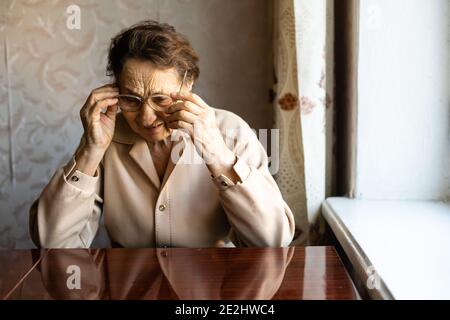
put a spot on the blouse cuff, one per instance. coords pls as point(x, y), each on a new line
point(241, 169)
point(79, 179)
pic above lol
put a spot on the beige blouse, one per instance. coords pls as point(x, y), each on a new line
point(187, 209)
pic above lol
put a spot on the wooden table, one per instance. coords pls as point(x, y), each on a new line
point(175, 273)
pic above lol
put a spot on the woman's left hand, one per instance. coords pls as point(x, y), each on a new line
point(193, 115)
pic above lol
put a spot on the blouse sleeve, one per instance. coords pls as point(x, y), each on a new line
point(67, 213)
point(255, 208)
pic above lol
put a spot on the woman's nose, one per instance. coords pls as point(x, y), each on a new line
point(146, 115)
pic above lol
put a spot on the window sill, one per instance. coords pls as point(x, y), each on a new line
point(403, 244)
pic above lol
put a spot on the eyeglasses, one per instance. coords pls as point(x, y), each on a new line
point(132, 103)
point(159, 102)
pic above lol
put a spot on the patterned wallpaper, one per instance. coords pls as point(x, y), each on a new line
point(47, 70)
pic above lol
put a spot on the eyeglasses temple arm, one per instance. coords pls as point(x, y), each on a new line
point(182, 82)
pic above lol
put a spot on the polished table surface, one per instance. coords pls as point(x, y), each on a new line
point(175, 273)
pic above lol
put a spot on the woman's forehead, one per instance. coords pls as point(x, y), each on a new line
point(144, 77)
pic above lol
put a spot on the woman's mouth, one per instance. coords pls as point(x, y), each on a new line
point(154, 129)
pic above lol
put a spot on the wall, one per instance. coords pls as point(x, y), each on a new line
point(403, 149)
point(47, 70)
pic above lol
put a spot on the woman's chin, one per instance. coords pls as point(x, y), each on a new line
point(156, 134)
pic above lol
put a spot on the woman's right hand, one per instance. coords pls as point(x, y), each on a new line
point(98, 126)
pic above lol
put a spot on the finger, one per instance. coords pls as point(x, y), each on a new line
point(100, 96)
point(180, 125)
point(106, 90)
point(182, 115)
point(192, 97)
point(106, 87)
point(186, 105)
point(98, 106)
point(111, 111)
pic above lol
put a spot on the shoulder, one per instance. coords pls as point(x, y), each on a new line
point(228, 120)
point(234, 128)
point(240, 138)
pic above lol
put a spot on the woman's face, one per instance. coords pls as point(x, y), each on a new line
point(142, 79)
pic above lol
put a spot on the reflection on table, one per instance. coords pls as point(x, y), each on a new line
point(187, 274)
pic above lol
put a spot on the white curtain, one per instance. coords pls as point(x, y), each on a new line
point(303, 108)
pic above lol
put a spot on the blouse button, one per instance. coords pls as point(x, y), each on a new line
point(162, 207)
point(75, 178)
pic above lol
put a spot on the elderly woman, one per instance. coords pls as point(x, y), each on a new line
point(160, 170)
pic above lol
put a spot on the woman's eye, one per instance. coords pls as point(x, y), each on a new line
point(162, 100)
point(129, 100)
